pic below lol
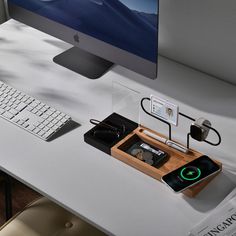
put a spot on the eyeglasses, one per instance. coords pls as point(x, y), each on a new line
point(108, 132)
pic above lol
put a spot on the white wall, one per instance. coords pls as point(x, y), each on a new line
point(200, 34)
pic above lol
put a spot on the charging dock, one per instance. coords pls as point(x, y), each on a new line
point(175, 160)
point(118, 147)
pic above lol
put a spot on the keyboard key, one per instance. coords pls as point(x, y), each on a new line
point(36, 130)
point(8, 115)
point(37, 124)
point(63, 119)
point(41, 133)
point(43, 109)
point(1, 111)
point(15, 119)
point(20, 122)
point(45, 129)
point(50, 125)
point(41, 126)
point(13, 111)
point(44, 116)
point(54, 121)
point(33, 104)
point(25, 119)
point(54, 115)
point(34, 111)
point(60, 117)
point(27, 101)
point(29, 108)
point(11, 92)
point(48, 133)
point(25, 125)
point(40, 105)
point(49, 112)
point(13, 100)
point(49, 118)
point(17, 102)
point(24, 99)
point(31, 127)
point(39, 113)
point(21, 106)
point(46, 122)
point(37, 101)
point(20, 96)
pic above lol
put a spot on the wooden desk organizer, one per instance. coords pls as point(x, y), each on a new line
point(176, 159)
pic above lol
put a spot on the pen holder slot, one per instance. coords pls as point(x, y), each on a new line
point(175, 159)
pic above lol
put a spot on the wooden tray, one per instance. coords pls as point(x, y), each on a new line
point(176, 158)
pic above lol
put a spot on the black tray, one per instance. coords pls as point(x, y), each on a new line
point(102, 138)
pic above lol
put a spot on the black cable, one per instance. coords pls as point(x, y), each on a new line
point(218, 134)
point(146, 98)
point(209, 127)
point(187, 117)
point(101, 123)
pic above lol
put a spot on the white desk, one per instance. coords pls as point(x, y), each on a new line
point(109, 194)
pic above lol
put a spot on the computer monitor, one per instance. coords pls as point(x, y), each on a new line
point(103, 32)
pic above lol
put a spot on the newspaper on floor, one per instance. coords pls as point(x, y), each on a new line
point(221, 222)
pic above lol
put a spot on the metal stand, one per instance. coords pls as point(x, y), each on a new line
point(187, 117)
point(83, 63)
point(169, 126)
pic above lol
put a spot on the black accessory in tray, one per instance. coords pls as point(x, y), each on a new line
point(148, 154)
point(109, 132)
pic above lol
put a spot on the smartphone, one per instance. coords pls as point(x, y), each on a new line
point(190, 174)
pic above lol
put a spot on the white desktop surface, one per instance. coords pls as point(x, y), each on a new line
point(109, 194)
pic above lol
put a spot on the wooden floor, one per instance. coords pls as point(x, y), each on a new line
point(21, 196)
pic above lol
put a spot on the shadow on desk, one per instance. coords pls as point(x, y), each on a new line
point(213, 194)
point(71, 125)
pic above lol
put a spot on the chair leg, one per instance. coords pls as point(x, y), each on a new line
point(8, 197)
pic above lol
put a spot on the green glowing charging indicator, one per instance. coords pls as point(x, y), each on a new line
point(190, 173)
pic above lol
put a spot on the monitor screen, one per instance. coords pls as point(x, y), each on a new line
point(129, 25)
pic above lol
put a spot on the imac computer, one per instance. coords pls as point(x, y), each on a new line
point(103, 32)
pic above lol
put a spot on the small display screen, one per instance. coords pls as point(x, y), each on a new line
point(191, 173)
point(131, 25)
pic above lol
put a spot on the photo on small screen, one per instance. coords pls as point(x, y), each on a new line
point(131, 25)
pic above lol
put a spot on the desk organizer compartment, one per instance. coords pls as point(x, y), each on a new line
point(175, 160)
point(105, 144)
point(118, 147)
point(134, 143)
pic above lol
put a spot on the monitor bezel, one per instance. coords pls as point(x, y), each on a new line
point(86, 42)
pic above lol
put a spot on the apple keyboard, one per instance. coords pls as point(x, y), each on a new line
point(29, 113)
